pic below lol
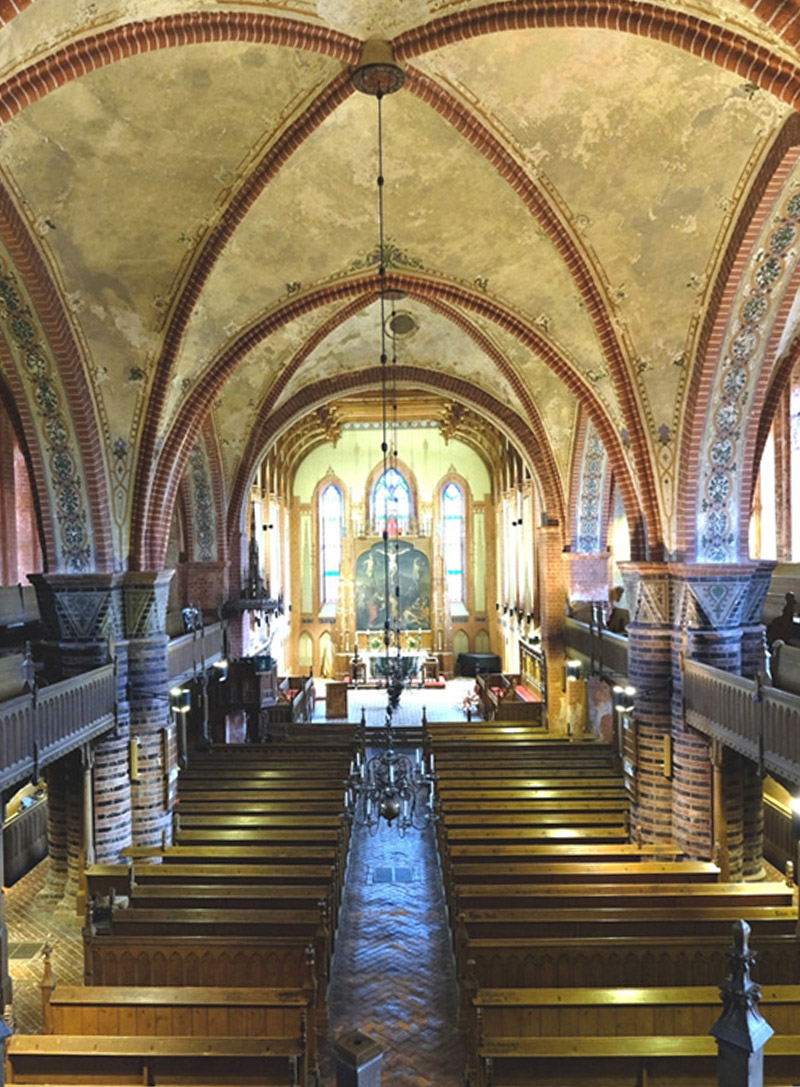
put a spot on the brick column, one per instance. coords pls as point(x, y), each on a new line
point(144, 612)
point(714, 606)
point(650, 671)
point(553, 598)
point(82, 617)
point(207, 584)
point(587, 576)
point(55, 885)
point(752, 823)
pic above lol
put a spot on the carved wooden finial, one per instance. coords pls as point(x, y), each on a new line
point(789, 873)
point(740, 1030)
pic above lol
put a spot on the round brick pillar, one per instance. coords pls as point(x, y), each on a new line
point(650, 672)
point(752, 823)
point(56, 882)
point(144, 613)
point(82, 615)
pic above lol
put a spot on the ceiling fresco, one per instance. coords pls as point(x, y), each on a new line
point(557, 203)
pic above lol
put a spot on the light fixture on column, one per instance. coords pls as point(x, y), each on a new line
point(391, 786)
point(622, 705)
point(378, 74)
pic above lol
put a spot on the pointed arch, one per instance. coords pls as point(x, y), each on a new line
point(729, 381)
point(646, 531)
point(61, 384)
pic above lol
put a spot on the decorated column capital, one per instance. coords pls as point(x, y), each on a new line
point(144, 595)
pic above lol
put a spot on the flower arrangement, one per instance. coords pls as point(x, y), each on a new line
point(469, 704)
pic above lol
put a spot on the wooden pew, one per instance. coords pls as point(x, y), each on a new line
point(185, 959)
point(97, 1059)
point(231, 874)
point(621, 960)
point(503, 697)
point(623, 896)
point(503, 1021)
point(606, 923)
point(186, 1012)
point(227, 896)
point(566, 872)
point(623, 1061)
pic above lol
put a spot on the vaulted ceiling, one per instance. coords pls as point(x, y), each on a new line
point(198, 181)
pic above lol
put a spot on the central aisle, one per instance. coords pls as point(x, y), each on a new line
point(393, 975)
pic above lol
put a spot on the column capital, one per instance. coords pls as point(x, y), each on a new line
point(78, 607)
point(144, 596)
point(698, 596)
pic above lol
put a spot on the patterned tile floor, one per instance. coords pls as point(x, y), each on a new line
point(393, 975)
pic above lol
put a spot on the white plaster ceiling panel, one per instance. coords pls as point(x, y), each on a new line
point(437, 345)
point(556, 404)
point(239, 402)
point(120, 192)
point(326, 195)
point(645, 143)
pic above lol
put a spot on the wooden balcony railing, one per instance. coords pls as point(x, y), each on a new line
point(760, 722)
point(18, 605)
point(191, 653)
point(602, 652)
point(36, 729)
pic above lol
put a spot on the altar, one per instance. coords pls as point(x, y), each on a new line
point(370, 663)
point(411, 664)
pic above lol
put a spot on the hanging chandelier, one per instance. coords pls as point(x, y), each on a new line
point(388, 785)
point(391, 786)
point(378, 74)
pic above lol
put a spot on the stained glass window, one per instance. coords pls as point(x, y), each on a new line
point(453, 541)
point(391, 502)
point(330, 537)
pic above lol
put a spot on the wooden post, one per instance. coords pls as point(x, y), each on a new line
point(740, 1031)
point(721, 853)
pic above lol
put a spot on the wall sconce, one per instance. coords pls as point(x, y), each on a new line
point(574, 669)
point(622, 707)
point(221, 669)
point(180, 699)
point(133, 760)
point(796, 817)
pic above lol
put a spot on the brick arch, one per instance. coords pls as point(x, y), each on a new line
point(781, 378)
point(780, 16)
point(644, 527)
point(271, 427)
point(273, 160)
point(716, 44)
point(771, 386)
point(216, 471)
point(579, 262)
point(547, 468)
point(348, 310)
point(9, 9)
point(16, 407)
point(578, 451)
point(166, 32)
point(756, 208)
point(52, 318)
